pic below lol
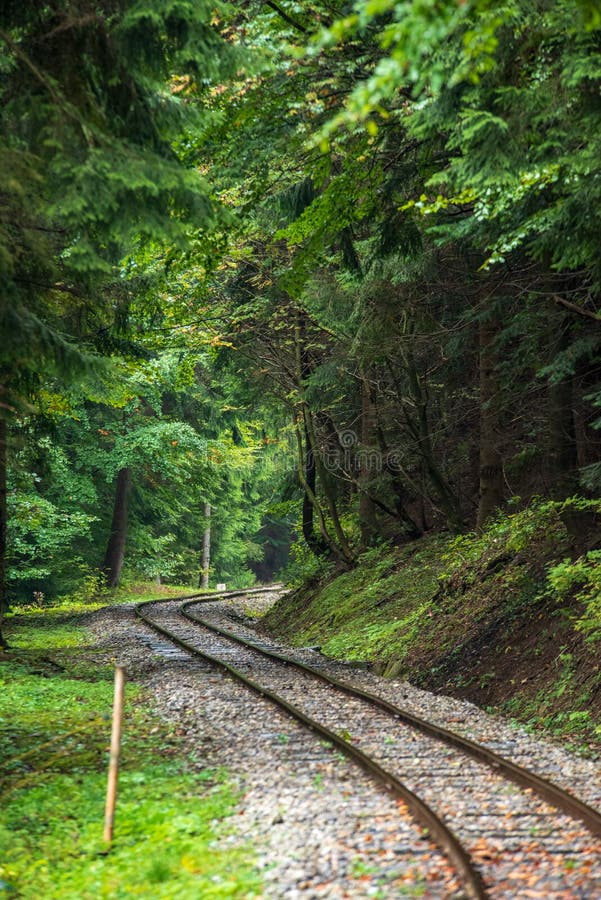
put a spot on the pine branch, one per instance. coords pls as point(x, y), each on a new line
point(286, 17)
point(577, 310)
point(32, 67)
point(56, 286)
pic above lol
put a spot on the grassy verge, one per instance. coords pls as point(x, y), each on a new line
point(173, 816)
point(509, 619)
point(92, 595)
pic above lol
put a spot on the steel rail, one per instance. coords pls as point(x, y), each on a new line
point(207, 596)
point(426, 816)
point(552, 793)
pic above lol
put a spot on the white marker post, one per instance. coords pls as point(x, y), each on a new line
point(111, 788)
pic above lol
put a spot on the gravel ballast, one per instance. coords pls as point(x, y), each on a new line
point(319, 828)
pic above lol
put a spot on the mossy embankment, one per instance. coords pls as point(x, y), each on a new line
point(510, 619)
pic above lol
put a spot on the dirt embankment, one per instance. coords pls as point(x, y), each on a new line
point(476, 618)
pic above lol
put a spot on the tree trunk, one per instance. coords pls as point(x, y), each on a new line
point(418, 426)
point(115, 550)
point(206, 549)
point(306, 458)
point(367, 508)
point(311, 466)
point(319, 546)
point(391, 466)
point(3, 517)
point(342, 548)
point(491, 460)
point(562, 447)
point(309, 535)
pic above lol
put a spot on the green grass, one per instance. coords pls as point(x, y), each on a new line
point(147, 590)
point(173, 818)
point(46, 632)
point(92, 595)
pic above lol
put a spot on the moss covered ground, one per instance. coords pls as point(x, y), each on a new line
point(508, 619)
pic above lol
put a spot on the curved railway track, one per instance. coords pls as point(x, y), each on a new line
point(441, 776)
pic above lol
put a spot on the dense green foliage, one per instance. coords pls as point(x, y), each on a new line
point(415, 276)
point(181, 451)
point(107, 231)
point(323, 274)
point(328, 269)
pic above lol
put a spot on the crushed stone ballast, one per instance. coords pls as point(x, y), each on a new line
point(386, 740)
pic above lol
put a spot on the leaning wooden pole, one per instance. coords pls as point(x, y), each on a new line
point(111, 788)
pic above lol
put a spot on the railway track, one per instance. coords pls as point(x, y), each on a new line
point(507, 831)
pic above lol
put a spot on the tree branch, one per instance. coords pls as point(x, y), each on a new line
point(286, 17)
point(577, 310)
point(32, 67)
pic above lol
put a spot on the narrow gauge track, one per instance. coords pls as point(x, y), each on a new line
point(495, 851)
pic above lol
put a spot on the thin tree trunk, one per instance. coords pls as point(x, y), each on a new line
point(343, 549)
point(367, 509)
point(491, 460)
point(306, 458)
point(206, 549)
point(3, 517)
point(420, 431)
point(564, 458)
point(562, 447)
point(115, 550)
point(311, 466)
point(319, 546)
point(391, 466)
point(308, 463)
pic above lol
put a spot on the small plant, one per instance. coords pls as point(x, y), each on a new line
point(485, 679)
point(91, 589)
point(359, 867)
point(303, 565)
point(566, 675)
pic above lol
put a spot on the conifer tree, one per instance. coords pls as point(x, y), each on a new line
point(92, 101)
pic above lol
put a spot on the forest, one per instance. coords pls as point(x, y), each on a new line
point(286, 282)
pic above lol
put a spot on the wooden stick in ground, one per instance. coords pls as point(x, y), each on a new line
point(111, 788)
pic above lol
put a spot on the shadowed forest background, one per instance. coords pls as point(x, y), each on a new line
point(328, 271)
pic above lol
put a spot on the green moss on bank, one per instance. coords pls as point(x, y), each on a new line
point(510, 619)
point(364, 613)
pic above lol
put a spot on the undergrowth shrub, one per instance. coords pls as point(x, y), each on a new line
point(512, 533)
point(581, 580)
point(507, 534)
point(554, 523)
point(302, 565)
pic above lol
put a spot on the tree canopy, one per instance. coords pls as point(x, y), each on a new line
point(329, 269)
